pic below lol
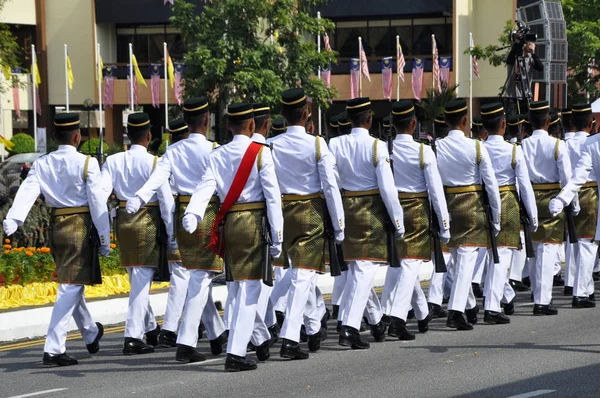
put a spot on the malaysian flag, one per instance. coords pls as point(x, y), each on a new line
point(400, 62)
point(474, 59)
point(326, 41)
point(445, 63)
point(109, 85)
point(178, 86)
point(155, 84)
point(354, 77)
point(364, 63)
point(436, 64)
point(326, 75)
point(387, 77)
point(417, 78)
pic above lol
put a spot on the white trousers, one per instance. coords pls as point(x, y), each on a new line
point(228, 310)
point(265, 309)
point(140, 317)
point(389, 283)
point(246, 323)
point(541, 271)
point(586, 258)
point(302, 305)
point(570, 264)
point(358, 292)
point(436, 284)
point(518, 260)
point(480, 265)
point(320, 308)
point(180, 278)
point(497, 289)
point(279, 295)
point(213, 324)
point(461, 296)
point(70, 301)
point(557, 261)
point(406, 291)
point(597, 265)
point(197, 296)
point(338, 288)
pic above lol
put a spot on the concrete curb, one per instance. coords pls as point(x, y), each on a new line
point(32, 323)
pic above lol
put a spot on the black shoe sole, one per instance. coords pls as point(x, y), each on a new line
point(137, 352)
point(344, 342)
point(289, 355)
point(232, 370)
point(189, 360)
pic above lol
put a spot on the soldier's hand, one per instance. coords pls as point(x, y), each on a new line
point(339, 236)
point(275, 250)
point(399, 234)
point(445, 236)
point(556, 207)
point(190, 222)
point(104, 250)
point(172, 245)
point(133, 205)
point(496, 229)
point(10, 226)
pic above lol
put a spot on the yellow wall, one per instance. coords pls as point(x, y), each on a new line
point(70, 22)
point(18, 12)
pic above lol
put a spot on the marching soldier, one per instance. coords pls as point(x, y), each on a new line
point(370, 204)
point(465, 167)
point(513, 180)
point(568, 125)
point(185, 161)
point(71, 184)
point(585, 252)
point(418, 183)
point(278, 127)
point(549, 169)
point(243, 174)
point(139, 236)
point(332, 129)
point(304, 167)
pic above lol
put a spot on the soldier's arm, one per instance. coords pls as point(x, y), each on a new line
point(270, 187)
point(387, 188)
point(331, 190)
point(436, 189)
point(26, 196)
point(525, 188)
point(159, 177)
point(97, 202)
point(580, 176)
point(488, 177)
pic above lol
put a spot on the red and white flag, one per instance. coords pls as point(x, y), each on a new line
point(387, 77)
point(417, 78)
point(401, 62)
point(436, 65)
point(178, 87)
point(354, 77)
point(326, 41)
point(445, 63)
point(135, 90)
point(155, 84)
point(109, 85)
point(474, 59)
point(364, 64)
point(326, 75)
point(16, 100)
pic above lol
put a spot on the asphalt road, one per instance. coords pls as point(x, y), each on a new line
point(556, 356)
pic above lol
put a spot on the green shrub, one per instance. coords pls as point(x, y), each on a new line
point(23, 144)
point(90, 146)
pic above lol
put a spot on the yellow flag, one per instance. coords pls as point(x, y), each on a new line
point(138, 73)
point(7, 143)
point(6, 72)
point(37, 80)
point(70, 73)
point(101, 68)
point(170, 70)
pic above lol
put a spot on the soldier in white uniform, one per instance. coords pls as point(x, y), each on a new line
point(186, 162)
point(465, 165)
point(370, 204)
point(419, 185)
point(513, 180)
point(243, 174)
point(549, 169)
point(71, 184)
point(139, 236)
point(585, 252)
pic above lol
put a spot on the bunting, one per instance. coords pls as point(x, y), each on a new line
point(354, 77)
point(445, 64)
point(155, 84)
point(401, 62)
point(387, 77)
point(417, 78)
point(109, 85)
point(178, 85)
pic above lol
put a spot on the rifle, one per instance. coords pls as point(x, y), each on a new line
point(488, 216)
point(96, 273)
point(335, 265)
point(434, 231)
point(161, 273)
point(571, 224)
point(526, 231)
point(392, 248)
point(267, 271)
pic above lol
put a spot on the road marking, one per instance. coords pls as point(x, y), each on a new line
point(33, 394)
point(536, 393)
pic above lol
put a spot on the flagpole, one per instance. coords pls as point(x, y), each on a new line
point(397, 69)
point(319, 70)
point(33, 86)
point(471, 79)
point(130, 77)
point(99, 68)
point(67, 77)
point(359, 67)
point(433, 63)
point(166, 92)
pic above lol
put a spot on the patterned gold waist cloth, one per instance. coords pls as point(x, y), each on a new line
point(412, 195)
point(370, 192)
point(247, 206)
point(67, 211)
point(464, 189)
point(506, 188)
point(187, 198)
point(293, 197)
point(546, 187)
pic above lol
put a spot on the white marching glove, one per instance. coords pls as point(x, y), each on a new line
point(399, 234)
point(172, 246)
point(576, 208)
point(339, 236)
point(10, 226)
point(133, 205)
point(275, 250)
point(445, 236)
point(190, 222)
point(533, 226)
point(104, 250)
point(556, 206)
point(496, 229)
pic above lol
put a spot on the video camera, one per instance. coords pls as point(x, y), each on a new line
point(522, 34)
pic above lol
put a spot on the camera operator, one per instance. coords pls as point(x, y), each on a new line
point(522, 53)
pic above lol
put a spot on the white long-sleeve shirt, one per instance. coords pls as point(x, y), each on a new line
point(262, 184)
point(301, 171)
point(363, 168)
point(501, 155)
point(59, 176)
point(409, 176)
point(543, 165)
point(574, 147)
point(127, 172)
point(457, 163)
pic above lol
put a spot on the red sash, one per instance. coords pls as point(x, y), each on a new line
point(239, 182)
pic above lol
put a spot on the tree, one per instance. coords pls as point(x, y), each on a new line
point(9, 52)
point(252, 50)
point(433, 105)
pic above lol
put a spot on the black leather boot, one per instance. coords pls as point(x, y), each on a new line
point(233, 363)
point(349, 336)
point(58, 360)
point(167, 339)
point(262, 351)
point(136, 346)
point(378, 332)
point(291, 350)
point(401, 331)
point(188, 354)
point(216, 345)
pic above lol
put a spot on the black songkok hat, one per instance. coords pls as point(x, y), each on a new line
point(402, 110)
point(138, 122)
point(455, 108)
point(440, 122)
point(491, 111)
point(238, 112)
point(333, 121)
point(515, 120)
point(554, 118)
point(387, 122)
point(293, 98)
point(343, 119)
point(358, 105)
point(178, 127)
point(582, 109)
point(539, 108)
point(278, 125)
point(261, 109)
point(477, 125)
point(193, 107)
point(64, 122)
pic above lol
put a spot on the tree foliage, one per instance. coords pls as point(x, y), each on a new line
point(9, 51)
point(433, 105)
point(24, 143)
point(495, 54)
point(251, 50)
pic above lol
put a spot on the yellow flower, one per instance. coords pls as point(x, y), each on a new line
point(28, 253)
point(45, 250)
point(6, 251)
point(112, 236)
point(112, 245)
point(6, 240)
point(7, 246)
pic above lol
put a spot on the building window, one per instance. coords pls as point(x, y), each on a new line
point(148, 42)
